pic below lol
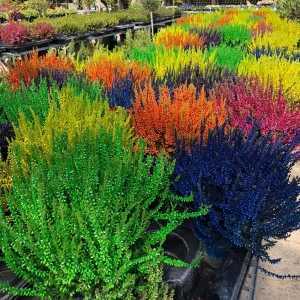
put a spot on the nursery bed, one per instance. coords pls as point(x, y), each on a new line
point(61, 40)
point(163, 163)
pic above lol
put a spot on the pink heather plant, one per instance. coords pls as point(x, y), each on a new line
point(42, 30)
point(14, 33)
point(249, 102)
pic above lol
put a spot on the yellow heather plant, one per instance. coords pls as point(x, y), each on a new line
point(284, 35)
point(281, 73)
point(74, 116)
point(176, 59)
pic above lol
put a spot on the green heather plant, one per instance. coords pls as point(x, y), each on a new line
point(26, 100)
point(227, 57)
point(235, 35)
point(81, 214)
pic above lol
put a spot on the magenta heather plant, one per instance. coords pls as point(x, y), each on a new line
point(42, 30)
point(14, 33)
point(249, 102)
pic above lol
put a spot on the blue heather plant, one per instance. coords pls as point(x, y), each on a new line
point(246, 182)
point(121, 93)
point(258, 52)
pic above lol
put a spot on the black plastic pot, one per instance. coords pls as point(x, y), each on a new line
point(26, 46)
point(214, 279)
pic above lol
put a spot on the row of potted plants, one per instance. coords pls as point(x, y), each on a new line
point(17, 33)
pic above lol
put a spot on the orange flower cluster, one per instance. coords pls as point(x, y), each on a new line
point(225, 19)
point(108, 70)
point(180, 39)
point(190, 19)
point(184, 116)
point(260, 13)
point(260, 28)
point(28, 69)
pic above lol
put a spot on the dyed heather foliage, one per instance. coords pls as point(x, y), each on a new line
point(220, 171)
point(28, 69)
point(261, 28)
point(108, 70)
point(26, 100)
point(81, 176)
point(121, 93)
point(250, 103)
point(177, 37)
point(81, 87)
point(201, 78)
point(6, 135)
point(59, 77)
point(161, 120)
point(210, 37)
point(162, 60)
point(281, 53)
point(235, 35)
point(281, 73)
point(14, 33)
point(227, 57)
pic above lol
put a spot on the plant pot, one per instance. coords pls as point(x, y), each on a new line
point(26, 46)
point(218, 276)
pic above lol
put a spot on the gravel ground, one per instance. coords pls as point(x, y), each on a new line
point(289, 250)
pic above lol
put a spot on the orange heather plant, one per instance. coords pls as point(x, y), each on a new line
point(27, 69)
point(225, 19)
point(191, 20)
point(108, 70)
point(176, 37)
point(182, 116)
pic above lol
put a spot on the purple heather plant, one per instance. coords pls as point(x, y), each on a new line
point(210, 36)
point(207, 78)
point(51, 76)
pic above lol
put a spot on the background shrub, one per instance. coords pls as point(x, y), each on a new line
point(289, 8)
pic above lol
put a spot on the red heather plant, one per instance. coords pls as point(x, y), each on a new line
point(14, 33)
point(42, 30)
point(248, 102)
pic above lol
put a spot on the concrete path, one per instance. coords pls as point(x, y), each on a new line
point(289, 250)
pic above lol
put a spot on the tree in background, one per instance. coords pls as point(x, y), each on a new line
point(152, 6)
